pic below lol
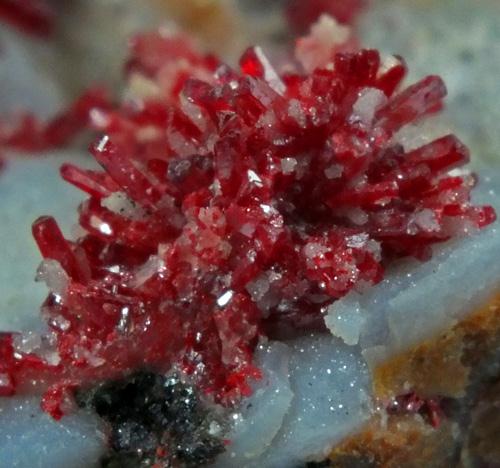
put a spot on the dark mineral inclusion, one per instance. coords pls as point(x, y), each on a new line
point(154, 420)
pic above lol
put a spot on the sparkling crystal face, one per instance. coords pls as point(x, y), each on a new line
point(233, 206)
point(147, 412)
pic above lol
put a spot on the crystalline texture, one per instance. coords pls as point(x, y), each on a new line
point(330, 385)
point(394, 315)
point(260, 417)
point(31, 438)
point(250, 201)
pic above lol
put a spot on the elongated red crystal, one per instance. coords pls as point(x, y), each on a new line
point(237, 204)
point(7, 384)
point(413, 103)
point(34, 17)
point(53, 245)
point(95, 183)
point(26, 132)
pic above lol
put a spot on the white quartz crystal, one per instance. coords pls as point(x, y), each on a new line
point(368, 102)
point(260, 417)
point(32, 439)
point(315, 390)
point(417, 300)
point(30, 187)
point(331, 398)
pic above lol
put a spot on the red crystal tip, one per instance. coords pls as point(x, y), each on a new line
point(237, 204)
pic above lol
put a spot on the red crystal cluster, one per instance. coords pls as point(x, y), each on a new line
point(26, 132)
point(411, 403)
point(235, 203)
point(168, 60)
point(35, 17)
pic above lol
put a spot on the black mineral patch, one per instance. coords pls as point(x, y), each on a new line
point(154, 420)
point(321, 464)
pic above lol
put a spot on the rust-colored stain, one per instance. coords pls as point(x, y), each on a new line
point(402, 441)
point(441, 365)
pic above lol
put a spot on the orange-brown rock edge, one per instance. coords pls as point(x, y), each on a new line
point(442, 365)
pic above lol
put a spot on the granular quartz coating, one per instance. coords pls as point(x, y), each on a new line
point(235, 204)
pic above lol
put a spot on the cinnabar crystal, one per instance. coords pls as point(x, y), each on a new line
point(411, 403)
point(234, 204)
point(35, 17)
point(25, 132)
